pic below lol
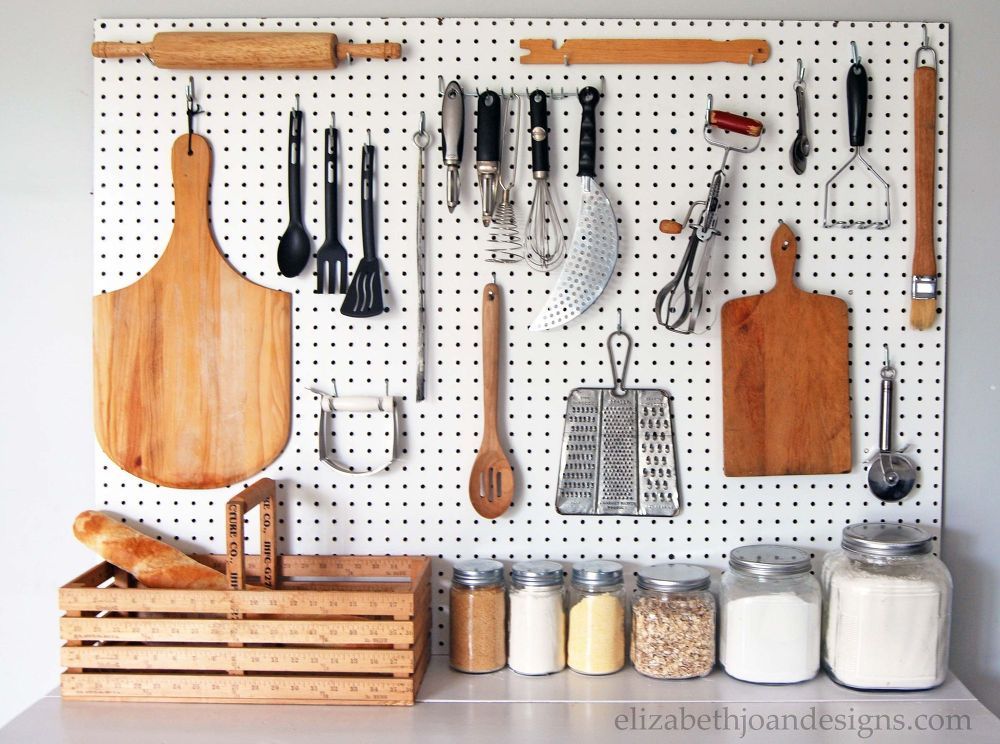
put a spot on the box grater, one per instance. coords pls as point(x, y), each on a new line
point(618, 451)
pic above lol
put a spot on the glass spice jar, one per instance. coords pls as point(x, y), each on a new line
point(673, 622)
point(596, 618)
point(887, 612)
point(478, 616)
point(537, 640)
point(769, 606)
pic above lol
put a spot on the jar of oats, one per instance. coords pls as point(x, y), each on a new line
point(673, 622)
point(478, 617)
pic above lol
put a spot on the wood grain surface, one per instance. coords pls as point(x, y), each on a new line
point(786, 395)
point(644, 51)
point(923, 312)
point(192, 362)
point(236, 50)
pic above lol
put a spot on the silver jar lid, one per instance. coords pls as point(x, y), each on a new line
point(478, 572)
point(674, 577)
point(537, 573)
point(885, 540)
point(597, 573)
point(770, 561)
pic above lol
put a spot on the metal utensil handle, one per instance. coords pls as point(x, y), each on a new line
point(885, 417)
point(453, 124)
point(857, 103)
point(589, 98)
point(367, 201)
point(421, 139)
point(619, 380)
point(539, 120)
point(295, 165)
point(488, 127)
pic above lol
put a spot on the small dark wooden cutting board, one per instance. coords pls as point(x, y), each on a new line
point(785, 391)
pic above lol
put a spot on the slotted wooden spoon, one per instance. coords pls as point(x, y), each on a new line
point(491, 484)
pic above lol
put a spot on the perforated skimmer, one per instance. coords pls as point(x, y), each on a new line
point(618, 449)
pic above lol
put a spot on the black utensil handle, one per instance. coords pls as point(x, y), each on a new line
point(367, 201)
point(295, 165)
point(539, 118)
point(330, 173)
point(857, 103)
point(488, 127)
point(589, 98)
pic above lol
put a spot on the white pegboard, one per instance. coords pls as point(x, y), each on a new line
point(652, 161)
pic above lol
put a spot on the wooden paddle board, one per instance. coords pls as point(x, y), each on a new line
point(785, 391)
point(192, 362)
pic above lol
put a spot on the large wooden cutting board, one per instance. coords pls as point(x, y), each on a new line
point(192, 363)
point(785, 391)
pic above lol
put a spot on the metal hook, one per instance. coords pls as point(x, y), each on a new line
point(800, 72)
point(750, 61)
point(855, 57)
point(193, 109)
point(494, 276)
point(885, 349)
point(350, 58)
point(925, 42)
point(566, 60)
point(335, 393)
point(333, 120)
point(369, 137)
point(619, 320)
point(296, 101)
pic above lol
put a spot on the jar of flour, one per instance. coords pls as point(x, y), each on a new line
point(770, 607)
point(888, 609)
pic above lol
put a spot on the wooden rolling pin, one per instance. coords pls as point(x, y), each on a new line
point(644, 51)
point(203, 50)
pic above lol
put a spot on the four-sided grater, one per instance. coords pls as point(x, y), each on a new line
point(618, 449)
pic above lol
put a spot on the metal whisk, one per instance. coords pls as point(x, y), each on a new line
point(545, 243)
point(505, 237)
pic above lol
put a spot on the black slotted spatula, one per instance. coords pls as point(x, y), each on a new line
point(364, 296)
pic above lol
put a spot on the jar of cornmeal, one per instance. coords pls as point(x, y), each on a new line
point(596, 618)
point(478, 616)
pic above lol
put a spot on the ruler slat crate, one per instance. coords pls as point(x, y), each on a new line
point(327, 644)
point(348, 630)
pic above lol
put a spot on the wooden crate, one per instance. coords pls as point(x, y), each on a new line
point(334, 630)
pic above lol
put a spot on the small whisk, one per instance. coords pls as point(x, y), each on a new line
point(505, 237)
point(544, 241)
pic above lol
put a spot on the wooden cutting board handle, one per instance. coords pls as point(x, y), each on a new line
point(192, 363)
point(783, 254)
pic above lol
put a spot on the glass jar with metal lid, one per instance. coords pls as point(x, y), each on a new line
point(597, 618)
point(537, 635)
point(673, 622)
point(770, 611)
point(888, 609)
point(478, 616)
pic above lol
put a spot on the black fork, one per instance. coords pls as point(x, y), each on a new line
point(331, 259)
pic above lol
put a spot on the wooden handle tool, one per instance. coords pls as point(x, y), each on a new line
point(491, 483)
point(923, 306)
point(644, 51)
point(229, 50)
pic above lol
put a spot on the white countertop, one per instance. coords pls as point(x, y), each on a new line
point(504, 707)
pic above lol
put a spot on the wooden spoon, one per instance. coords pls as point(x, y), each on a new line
point(491, 484)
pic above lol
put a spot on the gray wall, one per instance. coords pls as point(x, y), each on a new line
point(46, 440)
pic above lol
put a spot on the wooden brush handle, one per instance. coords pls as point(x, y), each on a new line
point(924, 126)
point(235, 50)
point(735, 123)
point(491, 358)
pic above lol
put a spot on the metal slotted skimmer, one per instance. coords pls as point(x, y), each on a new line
point(618, 448)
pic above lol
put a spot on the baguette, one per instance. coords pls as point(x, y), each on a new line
point(152, 562)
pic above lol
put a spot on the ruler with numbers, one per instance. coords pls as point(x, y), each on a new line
point(241, 688)
point(251, 659)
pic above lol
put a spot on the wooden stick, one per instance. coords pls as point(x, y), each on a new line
point(644, 51)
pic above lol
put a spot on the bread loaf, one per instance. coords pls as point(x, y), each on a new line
point(152, 562)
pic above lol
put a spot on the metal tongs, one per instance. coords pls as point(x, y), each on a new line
point(679, 303)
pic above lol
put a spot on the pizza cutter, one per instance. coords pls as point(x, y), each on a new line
point(891, 475)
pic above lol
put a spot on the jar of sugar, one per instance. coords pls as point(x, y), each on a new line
point(888, 609)
point(478, 608)
point(537, 635)
point(770, 615)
